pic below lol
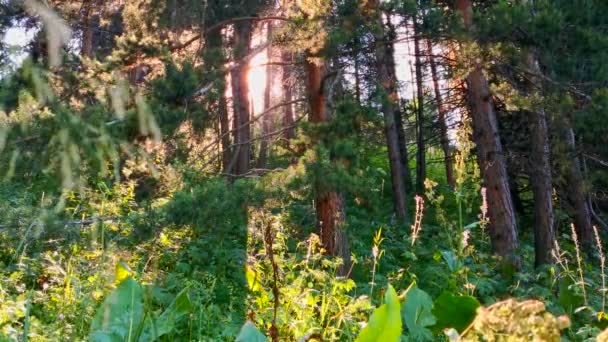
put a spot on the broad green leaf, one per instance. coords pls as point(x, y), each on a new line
point(453, 311)
point(385, 323)
point(568, 298)
point(451, 259)
point(417, 313)
point(120, 315)
point(250, 333)
point(166, 322)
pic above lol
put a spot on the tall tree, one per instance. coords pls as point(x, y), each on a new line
point(391, 36)
point(388, 91)
point(287, 84)
point(540, 174)
point(329, 204)
point(575, 188)
point(240, 97)
point(421, 150)
point(502, 226)
point(267, 119)
point(214, 58)
point(441, 118)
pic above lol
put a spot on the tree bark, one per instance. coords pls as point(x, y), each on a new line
point(86, 49)
point(389, 101)
point(502, 226)
point(240, 97)
point(357, 72)
point(397, 112)
point(441, 118)
point(540, 178)
point(577, 195)
point(421, 150)
point(214, 41)
point(329, 205)
point(288, 120)
point(267, 120)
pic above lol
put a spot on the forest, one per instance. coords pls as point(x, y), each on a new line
point(303, 170)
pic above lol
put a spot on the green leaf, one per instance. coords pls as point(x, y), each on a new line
point(451, 259)
point(453, 311)
point(568, 298)
point(252, 279)
point(417, 313)
point(471, 225)
point(250, 333)
point(166, 322)
point(385, 323)
point(120, 315)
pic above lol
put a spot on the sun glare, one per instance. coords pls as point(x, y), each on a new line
point(257, 81)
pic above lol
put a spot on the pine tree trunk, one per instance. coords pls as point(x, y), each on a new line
point(502, 226)
point(329, 206)
point(240, 97)
point(214, 41)
point(397, 112)
point(357, 72)
point(541, 180)
point(267, 119)
point(441, 118)
point(86, 49)
point(576, 191)
point(421, 150)
point(288, 120)
point(389, 101)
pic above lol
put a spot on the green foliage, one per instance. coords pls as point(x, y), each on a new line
point(454, 311)
point(124, 315)
point(100, 170)
point(385, 322)
point(249, 333)
point(417, 314)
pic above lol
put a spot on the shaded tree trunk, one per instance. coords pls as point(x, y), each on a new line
point(502, 226)
point(357, 72)
point(288, 119)
point(391, 35)
point(240, 98)
point(421, 150)
point(86, 49)
point(389, 101)
point(441, 118)
point(214, 41)
point(329, 205)
point(222, 109)
point(540, 178)
point(267, 119)
point(576, 193)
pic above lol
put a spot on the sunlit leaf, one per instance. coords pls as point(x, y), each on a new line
point(120, 315)
point(121, 272)
point(252, 278)
point(385, 322)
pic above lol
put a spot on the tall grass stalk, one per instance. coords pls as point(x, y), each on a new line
point(602, 257)
point(579, 262)
point(376, 254)
point(417, 225)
